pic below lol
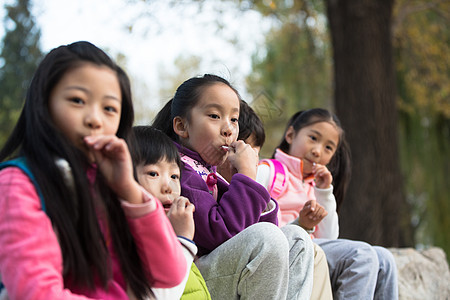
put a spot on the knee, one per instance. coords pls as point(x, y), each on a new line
point(363, 253)
point(299, 241)
point(386, 260)
point(295, 232)
point(268, 237)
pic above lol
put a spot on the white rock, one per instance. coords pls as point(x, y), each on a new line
point(423, 275)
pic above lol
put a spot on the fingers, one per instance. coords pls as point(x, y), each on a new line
point(240, 146)
point(237, 145)
point(314, 211)
point(323, 176)
point(310, 206)
point(319, 170)
point(106, 143)
point(182, 204)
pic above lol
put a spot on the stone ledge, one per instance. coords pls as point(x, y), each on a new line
point(422, 275)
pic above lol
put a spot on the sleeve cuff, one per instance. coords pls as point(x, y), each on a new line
point(140, 210)
point(271, 206)
point(188, 245)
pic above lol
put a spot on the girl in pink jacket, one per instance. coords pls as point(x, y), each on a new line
point(312, 155)
point(80, 226)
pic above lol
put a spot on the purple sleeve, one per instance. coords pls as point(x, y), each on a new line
point(240, 205)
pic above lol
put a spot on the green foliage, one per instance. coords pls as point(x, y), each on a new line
point(19, 56)
point(186, 67)
point(294, 69)
point(421, 41)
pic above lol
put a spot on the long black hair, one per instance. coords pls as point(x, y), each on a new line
point(185, 98)
point(71, 210)
point(339, 164)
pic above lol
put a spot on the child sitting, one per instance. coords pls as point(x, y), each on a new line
point(158, 169)
point(251, 131)
point(243, 254)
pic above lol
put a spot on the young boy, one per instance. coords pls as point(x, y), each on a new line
point(251, 131)
point(158, 166)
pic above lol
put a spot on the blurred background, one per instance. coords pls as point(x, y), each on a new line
point(382, 66)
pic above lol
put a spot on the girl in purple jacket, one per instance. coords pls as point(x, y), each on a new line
point(243, 254)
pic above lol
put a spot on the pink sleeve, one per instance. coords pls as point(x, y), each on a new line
point(30, 256)
point(158, 246)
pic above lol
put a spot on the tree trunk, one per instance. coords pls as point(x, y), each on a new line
point(375, 208)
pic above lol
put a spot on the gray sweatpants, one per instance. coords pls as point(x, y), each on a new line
point(359, 270)
point(261, 262)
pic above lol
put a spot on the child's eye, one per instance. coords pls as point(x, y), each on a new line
point(329, 148)
point(175, 176)
point(214, 116)
point(234, 120)
point(76, 100)
point(313, 138)
point(152, 174)
point(110, 109)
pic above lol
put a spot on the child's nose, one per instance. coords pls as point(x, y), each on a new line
point(227, 129)
point(93, 119)
point(316, 151)
point(165, 187)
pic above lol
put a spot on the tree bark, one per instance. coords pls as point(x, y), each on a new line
point(375, 209)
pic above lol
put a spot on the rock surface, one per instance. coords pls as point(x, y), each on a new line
point(422, 274)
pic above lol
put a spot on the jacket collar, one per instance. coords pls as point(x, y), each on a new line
point(194, 155)
point(293, 164)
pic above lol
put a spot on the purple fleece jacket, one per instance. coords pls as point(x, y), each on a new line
point(239, 205)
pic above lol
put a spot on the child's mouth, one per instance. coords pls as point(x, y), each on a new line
point(167, 207)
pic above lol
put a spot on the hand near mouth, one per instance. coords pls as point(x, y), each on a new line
point(113, 160)
point(322, 176)
point(181, 217)
point(244, 158)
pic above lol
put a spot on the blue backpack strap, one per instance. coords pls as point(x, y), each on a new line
point(21, 163)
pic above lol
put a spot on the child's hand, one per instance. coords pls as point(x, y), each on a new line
point(181, 217)
point(114, 161)
point(311, 214)
point(244, 158)
point(322, 175)
point(226, 170)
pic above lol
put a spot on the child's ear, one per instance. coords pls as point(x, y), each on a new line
point(180, 127)
point(290, 134)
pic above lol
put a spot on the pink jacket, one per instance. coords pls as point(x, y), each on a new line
point(31, 258)
point(297, 192)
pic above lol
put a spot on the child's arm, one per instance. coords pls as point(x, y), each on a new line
point(114, 161)
point(159, 249)
point(30, 255)
point(329, 226)
point(240, 205)
point(158, 246)
point(180, 216)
